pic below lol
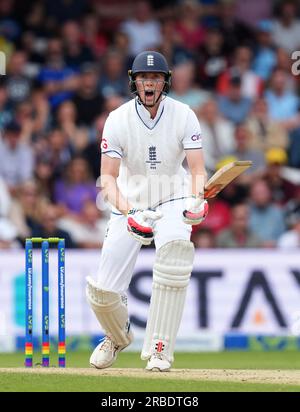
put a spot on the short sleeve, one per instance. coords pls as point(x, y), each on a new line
point(110, 144)
point(192, 138)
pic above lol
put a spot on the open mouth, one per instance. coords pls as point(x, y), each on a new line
point(149, 93)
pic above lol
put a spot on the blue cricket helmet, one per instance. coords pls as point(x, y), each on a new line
point(152, 62)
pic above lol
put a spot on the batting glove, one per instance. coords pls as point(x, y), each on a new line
point(140, 224)
point(196, 210)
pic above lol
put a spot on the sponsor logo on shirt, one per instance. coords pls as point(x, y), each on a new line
point(196, 137)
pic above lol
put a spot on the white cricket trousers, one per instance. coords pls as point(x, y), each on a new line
point(120, 250)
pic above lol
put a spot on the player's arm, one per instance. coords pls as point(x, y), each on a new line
point(196, 208)
point(196, 166)
point(111, 156)
point(109, 172)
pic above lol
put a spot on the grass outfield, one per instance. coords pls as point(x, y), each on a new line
point(228, 371)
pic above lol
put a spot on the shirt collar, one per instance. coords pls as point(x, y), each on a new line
point(145, 114)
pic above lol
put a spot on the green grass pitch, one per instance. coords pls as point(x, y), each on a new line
point(227, 362)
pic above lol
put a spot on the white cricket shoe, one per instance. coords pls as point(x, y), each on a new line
point(105, 354)
point(158, 362)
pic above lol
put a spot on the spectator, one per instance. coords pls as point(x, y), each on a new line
point(114, 79)
point(25, 212)
point(291, 239)
point(88, 101)
point(266, 133)
point(170, 47)
point(265, 55)
point(44, 177)
point(212, 60)
point(250, 12)
point(41, 112)
point(24, 116)
point(283, 104)
point(294, 149)
point(293, 206)
point(17, 84)
point(92, 153)
point(142, 30)
point(35, 20)
point(244, 151)
point(251, 84)
point(60, 11)
point(190, 32)
point(17, 160)
point(92, 36)
point(78, 187)
point(65, 121)
point(284, 62)
point(218, 135)
point(5, 111)
point(89, 232)
point(239, 234)
point(120, 43)
point(7, 9)
point(233, 106)
point(183, 86)
point(266, 219)
point(203, 239)
point(282, 189)
point(112, 103)
point(56, 150)
point(286, 32)
point(58, 80)
point(76, 54)
point(8, 234)
point(112, 13)
point(234, 31)
point(49, 226)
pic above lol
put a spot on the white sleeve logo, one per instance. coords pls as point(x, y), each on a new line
point(150, 60)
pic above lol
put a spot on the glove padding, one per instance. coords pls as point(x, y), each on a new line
point(196, 210)
point(139, 224)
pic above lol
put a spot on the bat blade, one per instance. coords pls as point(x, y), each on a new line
point(224, 176)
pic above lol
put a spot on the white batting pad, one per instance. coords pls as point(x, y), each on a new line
point(171, 273)
point(111, 311)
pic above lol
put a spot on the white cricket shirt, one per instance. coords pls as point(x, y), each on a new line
point(151, 150)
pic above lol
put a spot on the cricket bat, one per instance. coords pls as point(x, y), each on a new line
point(224, 176)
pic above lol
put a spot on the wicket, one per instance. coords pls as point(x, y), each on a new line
point(45, 301)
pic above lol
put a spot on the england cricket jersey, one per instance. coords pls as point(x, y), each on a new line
point(151, 150)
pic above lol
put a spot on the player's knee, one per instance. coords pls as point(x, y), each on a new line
point(174, 263)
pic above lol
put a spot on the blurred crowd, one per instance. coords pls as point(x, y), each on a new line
point(67, 61)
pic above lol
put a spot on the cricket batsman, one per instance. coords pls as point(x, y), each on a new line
point(152, 198)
